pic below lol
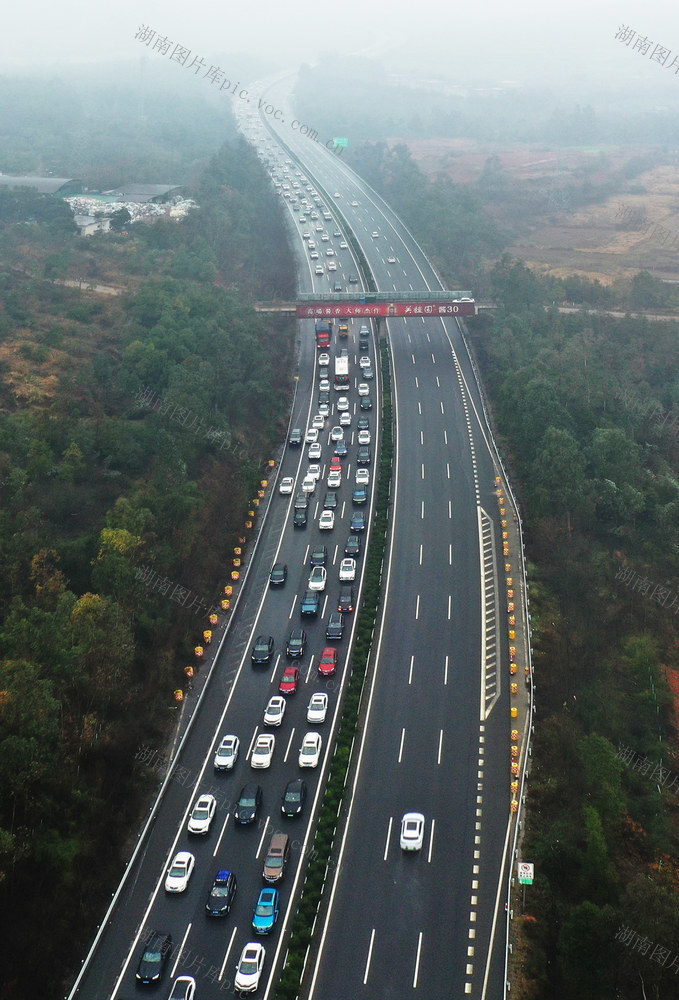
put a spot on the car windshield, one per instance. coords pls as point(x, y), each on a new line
point(264, 909)
point(248, 967)
point(292, 797)
point(220, 890)
point(152, 956)
point(201, 812)
point(246, 803)
point(177, 870)
point(274, 862)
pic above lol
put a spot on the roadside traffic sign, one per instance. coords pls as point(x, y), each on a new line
point(526, 872)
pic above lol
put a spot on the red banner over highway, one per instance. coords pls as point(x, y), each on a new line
point(323, 310)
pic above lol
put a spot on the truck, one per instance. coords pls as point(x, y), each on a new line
point(342, 373)
point(343, 330)
point(323, 333)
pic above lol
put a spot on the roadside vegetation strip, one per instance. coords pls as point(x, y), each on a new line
point(320, 855)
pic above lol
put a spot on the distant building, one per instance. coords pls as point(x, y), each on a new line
point(61, 186)
point(141, 193)
point(88, 225)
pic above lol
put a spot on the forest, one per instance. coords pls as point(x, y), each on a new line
point(586, 409)
point(134, 430)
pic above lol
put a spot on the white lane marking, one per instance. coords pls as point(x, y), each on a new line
point(306, 556)
point(417, 384)
point(252, 742)
point(445, 437)
point(417, 608)
point(433, 359)
point(450, 555)
point(386, 845)
point(264, 833)
point(448, 469)
point(413, 357)
point(440, 746)
point(450, 599)
point(410, 672)
point(292, 608)
point(450, 508)
point(334, 558)
point(422, 510)
point(422, 470)
point(445, 671)
point(400, 754)
point(420, 555)
point(275, 668)
point(431, 840)
point(287, 749)
point(421, 437)
point(226, 954)
point(438, 384)
point(419, 407)
point(219, 839)
point(370, 952)
point(442, 410)
point(417, 959)
point(429, 338)
point(179, 953)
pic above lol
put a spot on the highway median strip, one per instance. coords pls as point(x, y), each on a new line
point(320, 861)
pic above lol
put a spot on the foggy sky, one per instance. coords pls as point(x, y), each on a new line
point(567, 44)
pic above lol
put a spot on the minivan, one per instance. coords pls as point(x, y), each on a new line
point(276, 858)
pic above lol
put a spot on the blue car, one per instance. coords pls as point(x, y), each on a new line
point(266, 911)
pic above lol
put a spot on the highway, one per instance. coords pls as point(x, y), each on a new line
point(435, 737)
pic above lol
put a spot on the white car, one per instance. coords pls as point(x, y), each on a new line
point(306, 236)
point(324, 385)
point(326, 521)
point(202, 814)
point(318, 707)
point(179, 872)
point(319, 228)
point(313, 255)
point(342, 403)
point(310, 750)
point(364, 362)
point(347, 570)
point(362, 477)
point(311, 245)
point(375, 235)
point(311, 435)
point(314, 471)
point(184, 988)
point(334, 479)
point(324, 409)
point(315, 450)
point(309, 484)
point(262, 752)
point(354, 204)
point(363, 389)
point(275, 710)
point(363, 437)
point(337, 434)
point(249, 968)
point(330, 252)
point(337, 195)
point(345, 419)
point(227, 753)
point(286, 485)
point(319, 269)
point(317, 578)
point(325, 238)
point(324, 359)
point(412, 832)
point(318, 422)
point(391, 260)
point(343, 245)
point(332, 266)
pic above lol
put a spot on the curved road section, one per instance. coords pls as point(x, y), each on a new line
point(436, 733)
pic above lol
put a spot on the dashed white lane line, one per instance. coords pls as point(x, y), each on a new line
point(179, 953)
point(417, 960)
point(410, 672)
point(400, 749)
point(445, 672)
point(226, 953)
point(417, 608)
point(386, 845)
point(440, 746)
point(370, 952)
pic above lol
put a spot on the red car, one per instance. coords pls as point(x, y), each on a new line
point(335, 465)
point(327, 665)
point(289, 680)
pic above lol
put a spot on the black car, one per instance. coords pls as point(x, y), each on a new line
point(249, 801)
point(323, 372)
point(363, 456)
point(300, 519)
point(296, 643)
point(278, 574)
point(364, 342)
point(346, 598)
point(293, 798)
point(363, 424)
point(323, 396)
point(353, 280)
point(359, 495)
point(368, 374)
point(352, 546)
point(221, 894)
point(319, 555)
point(335, 626)
point(366, 403)
point(330, 501)
point(301, 501)
point(338, 286)
point(341, 449)
point(296, 437)
point(310, 603)
point(357, 522)
point(262, 651)
point(153, 959)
